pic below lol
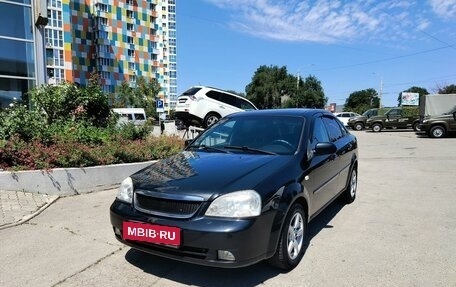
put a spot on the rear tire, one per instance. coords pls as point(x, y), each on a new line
point(416, 127)
point(437, 132)
point(291, 247)
point(349, 194)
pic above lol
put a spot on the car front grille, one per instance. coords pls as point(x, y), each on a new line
point(159, 204)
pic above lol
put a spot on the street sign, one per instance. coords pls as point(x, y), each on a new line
point(160, 106)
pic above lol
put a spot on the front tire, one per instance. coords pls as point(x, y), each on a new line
point(416, 127)
point(437, 132)
point(377, 128)
point(291, 247)
point(358, 126)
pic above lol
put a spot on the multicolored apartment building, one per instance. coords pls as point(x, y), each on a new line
point(120, 40)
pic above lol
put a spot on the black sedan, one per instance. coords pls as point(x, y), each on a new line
point(242, 192)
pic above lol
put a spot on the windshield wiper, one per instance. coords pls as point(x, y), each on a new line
point(207, 148)
point(249, 149)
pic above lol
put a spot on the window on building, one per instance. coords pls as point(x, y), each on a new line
point(129, 39)
point(164, 8)
point(131, 53)
point(132, 78)
point(129, 2)
point(130, 27)
point(172, 25)
point(153, 56)
point(164, 17)
point(132, 66)
point(172, 17)
point(172, 42)
point(101, 7)
point(172, 9)
point(130, 14)
point(152, 6)
point(102, 21)
point(172, 50)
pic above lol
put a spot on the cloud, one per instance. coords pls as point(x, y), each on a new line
point(444, 8)
point(329, 21)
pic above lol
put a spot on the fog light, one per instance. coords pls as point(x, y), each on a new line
point(225, 255)
point(117, 231)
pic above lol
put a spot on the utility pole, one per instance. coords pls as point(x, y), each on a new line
point(381, 92)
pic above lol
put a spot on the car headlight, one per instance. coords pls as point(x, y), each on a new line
point(424, 121)
point(125, 192)
point(244, 203)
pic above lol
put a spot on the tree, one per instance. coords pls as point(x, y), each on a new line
point(361, 101)
point(271, 85)
point(311, 94)
point(142, 95)
point(419, 90)
point(267, 86)
point(451, 89)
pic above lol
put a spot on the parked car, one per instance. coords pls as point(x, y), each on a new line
point(439, 126)
point(243, 191)
point(203, 106)
point(399, 117)
point(359, 122)
point(345, 116)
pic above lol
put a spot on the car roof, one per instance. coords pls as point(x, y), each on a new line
point(300, 112)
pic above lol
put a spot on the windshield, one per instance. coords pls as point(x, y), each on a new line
point(253, 134)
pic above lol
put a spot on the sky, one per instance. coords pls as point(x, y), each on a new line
point(348, 46)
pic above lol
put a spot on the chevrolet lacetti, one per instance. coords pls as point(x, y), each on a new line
point(241, 192)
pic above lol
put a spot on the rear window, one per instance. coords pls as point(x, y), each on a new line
point(191, 91)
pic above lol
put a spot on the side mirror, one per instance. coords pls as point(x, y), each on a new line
point(325, 148)
point(188, 142)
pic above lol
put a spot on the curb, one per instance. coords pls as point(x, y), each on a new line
point(69, 181)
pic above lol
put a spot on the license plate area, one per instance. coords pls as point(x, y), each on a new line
point(157, 234)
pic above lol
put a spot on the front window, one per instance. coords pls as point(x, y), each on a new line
point(252, 134)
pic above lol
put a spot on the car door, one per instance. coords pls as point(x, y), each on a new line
point(393, 118)
point(322, 178)
point(338, 136)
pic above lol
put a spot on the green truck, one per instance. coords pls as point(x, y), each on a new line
point(359, 123)
point(438, 114)
point(396, 118)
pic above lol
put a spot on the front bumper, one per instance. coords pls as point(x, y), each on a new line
point(247, 239)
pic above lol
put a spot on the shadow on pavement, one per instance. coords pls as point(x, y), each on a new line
point(196, 275)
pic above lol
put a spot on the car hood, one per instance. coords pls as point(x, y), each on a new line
point(357, 118)
point(206, 174)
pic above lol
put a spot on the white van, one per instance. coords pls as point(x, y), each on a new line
point(136, 116)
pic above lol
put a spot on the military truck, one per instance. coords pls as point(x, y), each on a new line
point(359, 123)
point(438, 114)
point(396, 118)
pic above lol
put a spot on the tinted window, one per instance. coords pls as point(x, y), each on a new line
point(228, 99)
point(243, 104)
point(214, 95)
point(139, 117)
point(333, 128)
point(191, 91)
point(319, 131)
